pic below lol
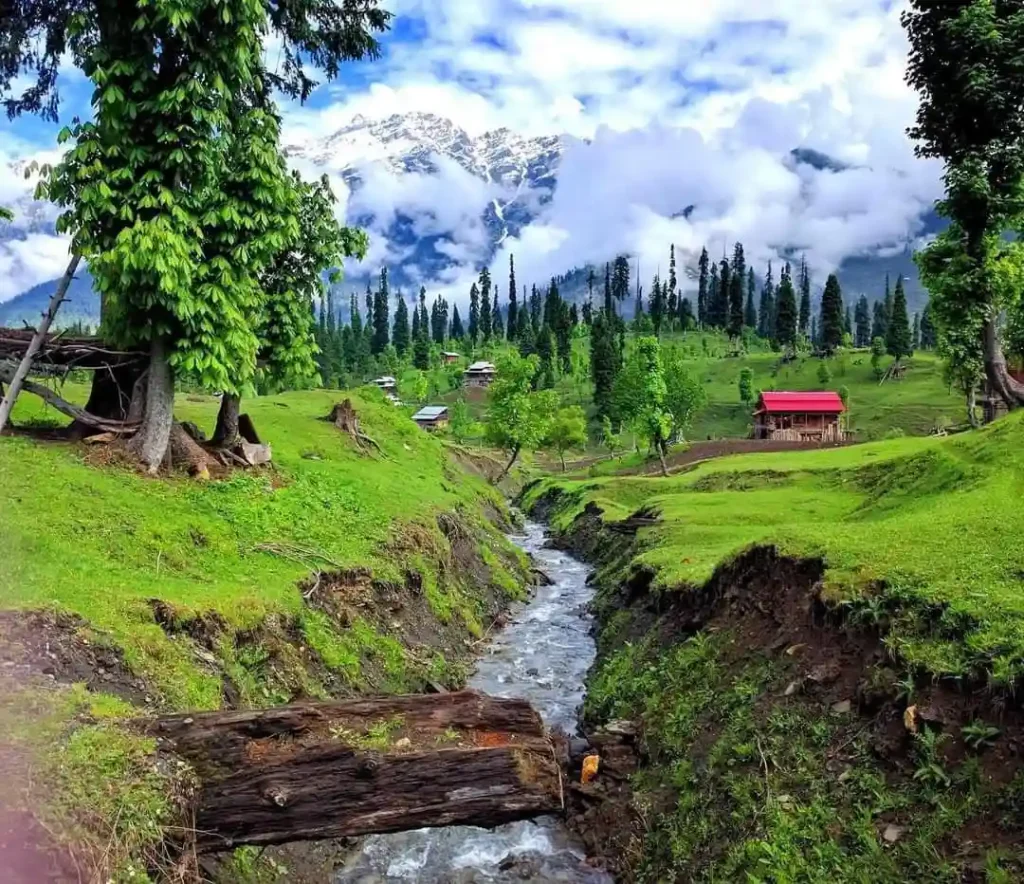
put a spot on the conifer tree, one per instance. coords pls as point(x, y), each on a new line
point(401, 336)
point(368, 326)
point(353, 352)
point(672, 295)
point(737, 287)
point(497, 327)
point(546, 352)
point(421, 346)
point(786, 312)
point(703, 281)
point(915, 335)
point(620, 279)
point(381, 332)
point(659, 305)
point(879, 324)
point(525, 337)
point(474, 314)
point(486, 325)
point(720, 307)
point(862, 323)
point(847, 322)
point(513, 294)
point(687, 320)
point(458, 332)
point(805, 297)
point(604, 356)
point(750, 312)
point(710, 307)
point(536, 311)
point(928, 335)
point(416, 330)
point(897, 341)
point(831, 326)
point(766, 314)
point(887, 304)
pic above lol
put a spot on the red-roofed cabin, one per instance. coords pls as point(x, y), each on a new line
point(800, 417)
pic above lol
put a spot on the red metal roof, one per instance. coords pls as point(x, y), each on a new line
point(818, 403)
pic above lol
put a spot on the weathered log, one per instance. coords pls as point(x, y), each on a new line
point(332, 770)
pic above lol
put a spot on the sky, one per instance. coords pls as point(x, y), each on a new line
point(664, 104)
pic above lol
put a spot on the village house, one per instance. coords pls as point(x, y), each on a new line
point(387, 384)
point(800, 417)
point(449, 358)
point(433, 417)
point(479, 374)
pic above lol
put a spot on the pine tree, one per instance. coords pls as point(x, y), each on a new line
point(525, 337)
point(887, 305)
point(915, 336)
point(766, 315)
point(513, 320)
point(659, 305)
point(672, 294)
point(421, 346)
point(474, 314)
point(805, 297)
point(486, 325)
point(401, 336)
point(879, 325)
point(721, 305)
point(702, 289)
point(458, 332)
point(352, 352)
point(546, 352)
point(381, 332)
point(750, 312)
point(862, 323)
point(536, 311)
point(897, 341)
point(687, 320)
point(620, 279)
point(847, 322)
point(929, 339)
point(786, 313)
point(368, 325)
point(416, 330)
point(497, 327)
point(604, 356)
point(831, 325)
point(712, 299)
point(737, 285)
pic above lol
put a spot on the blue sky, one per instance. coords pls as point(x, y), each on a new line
point(677, 103)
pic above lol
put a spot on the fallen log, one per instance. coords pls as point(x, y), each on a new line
point(342, 769)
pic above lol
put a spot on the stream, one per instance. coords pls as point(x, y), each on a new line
point(542, 655)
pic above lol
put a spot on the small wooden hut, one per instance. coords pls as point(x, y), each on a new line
point(800, 417)
point(479, 374)
point(433, 417)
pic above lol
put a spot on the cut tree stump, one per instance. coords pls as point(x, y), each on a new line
point(360, 767)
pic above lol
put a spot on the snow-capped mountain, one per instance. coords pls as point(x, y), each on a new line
point(506, 180)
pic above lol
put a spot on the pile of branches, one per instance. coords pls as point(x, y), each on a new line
point(61, 352)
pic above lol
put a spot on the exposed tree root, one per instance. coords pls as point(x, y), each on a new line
point(344, 417)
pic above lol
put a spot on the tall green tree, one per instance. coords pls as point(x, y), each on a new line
point(421, 344)
point(401, 335)
point(643, 397)
point(687, 321)
point(805, 297)
point(966, 64)
point(703, 280)
point(766, 313)
point(659, 305)
point(536, 310)
point(750, 311)
point(929, 339)
point(517, 418)
point(486, 314)
point(512, 320)
point(381, 308)
point(672, 293)
point(546, 352)
point(620, 279)
point(786, 314)
point(897, 341)
point(862, 323)
point(879, 324)
point(568, 430)
point(737, 287)
point(474, 314)
point(721, 306)
point(831, 326)
point(458, 332)
point(604, 361)
point(497, 323)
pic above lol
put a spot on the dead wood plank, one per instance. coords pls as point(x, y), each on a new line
point(332, 770)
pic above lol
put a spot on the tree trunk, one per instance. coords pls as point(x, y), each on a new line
point(508, 466)
point(1009, 390)
point(111, 396)
point(972, 408)
point(661, 456)
point(152, 441)
point(225, 434)
point(358, 767)
point(14, 388)
point(561, 455)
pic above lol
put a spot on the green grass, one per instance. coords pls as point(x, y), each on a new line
point(101, 542)
point(936, 523)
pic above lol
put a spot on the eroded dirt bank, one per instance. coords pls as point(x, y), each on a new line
point(748, 727)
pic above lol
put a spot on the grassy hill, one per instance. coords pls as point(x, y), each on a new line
point(821, 649)
point(333, 573)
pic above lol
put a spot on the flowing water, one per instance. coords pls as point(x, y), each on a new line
point(542, 655)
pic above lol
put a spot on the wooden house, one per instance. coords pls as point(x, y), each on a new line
point(449, 358)
point(387, 384)
point(433, 417)
point(479, 374)
point(800, 417)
